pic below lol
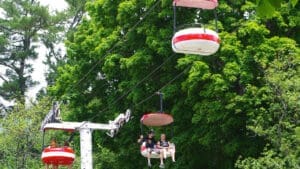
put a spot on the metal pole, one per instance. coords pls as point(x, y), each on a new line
point(43, 146)
point(174, 18)
point(161, 101)
point(216, 20)
point(86, 148)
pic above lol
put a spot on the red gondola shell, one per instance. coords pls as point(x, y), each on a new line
point(58, 156)
point(196, 41)
point(157, 119)
point(204, 4)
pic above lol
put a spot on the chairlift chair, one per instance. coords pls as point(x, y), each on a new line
point(155, 119)
point(195, 40)
point(63, 155)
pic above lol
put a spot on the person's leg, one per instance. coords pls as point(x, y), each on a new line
point(161, 155)
point(172, 151)
point(165, 150)
point(55, 166)
point(149, 157)
point(70, 166)
point(47, 166)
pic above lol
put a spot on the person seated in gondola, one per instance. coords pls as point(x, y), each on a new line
point(53, 144)
point(166, 147)
point(143, 139)
point(151, 148)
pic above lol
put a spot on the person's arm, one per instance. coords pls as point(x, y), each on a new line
point(140, 140)
point(158, 144)
point(169, 144)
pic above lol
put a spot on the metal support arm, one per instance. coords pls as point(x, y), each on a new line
point(85, 129)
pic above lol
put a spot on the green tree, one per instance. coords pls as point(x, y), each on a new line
point(54, 58)
point(267, 8)
point(21, 138)
point(214, 100)
point(277, 121)
point(25, 25)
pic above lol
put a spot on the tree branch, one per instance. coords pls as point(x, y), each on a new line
point(2, 77)
point(7, 65)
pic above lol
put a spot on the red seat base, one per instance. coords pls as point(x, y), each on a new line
point(58, 156)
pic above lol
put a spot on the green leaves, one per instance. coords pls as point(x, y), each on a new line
point(198, 72)
point(20, 136)
point(293, 2)
point(276, 105)
point(267, 8)
point(226, 105)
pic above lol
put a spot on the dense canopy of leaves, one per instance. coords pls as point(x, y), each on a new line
point(21, 138)
point(267, 8)
point(238, 108)
point(240, 103)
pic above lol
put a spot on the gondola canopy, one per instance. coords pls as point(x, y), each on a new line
point(156, 119)
point(203, 4)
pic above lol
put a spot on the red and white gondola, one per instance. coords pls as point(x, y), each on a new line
point(200, 41)
point(156, 119)
point(58, 156)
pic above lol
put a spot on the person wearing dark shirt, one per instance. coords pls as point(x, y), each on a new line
point(151, 146)
point(150, 143)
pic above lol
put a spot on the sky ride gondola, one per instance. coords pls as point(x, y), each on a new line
point(54, 155)
point(195, 39)
point(156, 119)
point(58, 156)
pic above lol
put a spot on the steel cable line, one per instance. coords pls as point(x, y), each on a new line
point(112, 48)
point(145, 78)
point(144, 100)
point(155, 93)
point(169, 82)
point(116, 44)
point(130, 90)
point(141, 81)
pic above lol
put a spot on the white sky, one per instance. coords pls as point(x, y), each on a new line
point(55, 4)
point(39, 67)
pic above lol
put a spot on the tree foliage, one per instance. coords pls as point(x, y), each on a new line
point(267, 8)
point(239, 104)
point(56, 57)
point(25, 25)
point(20, 136)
